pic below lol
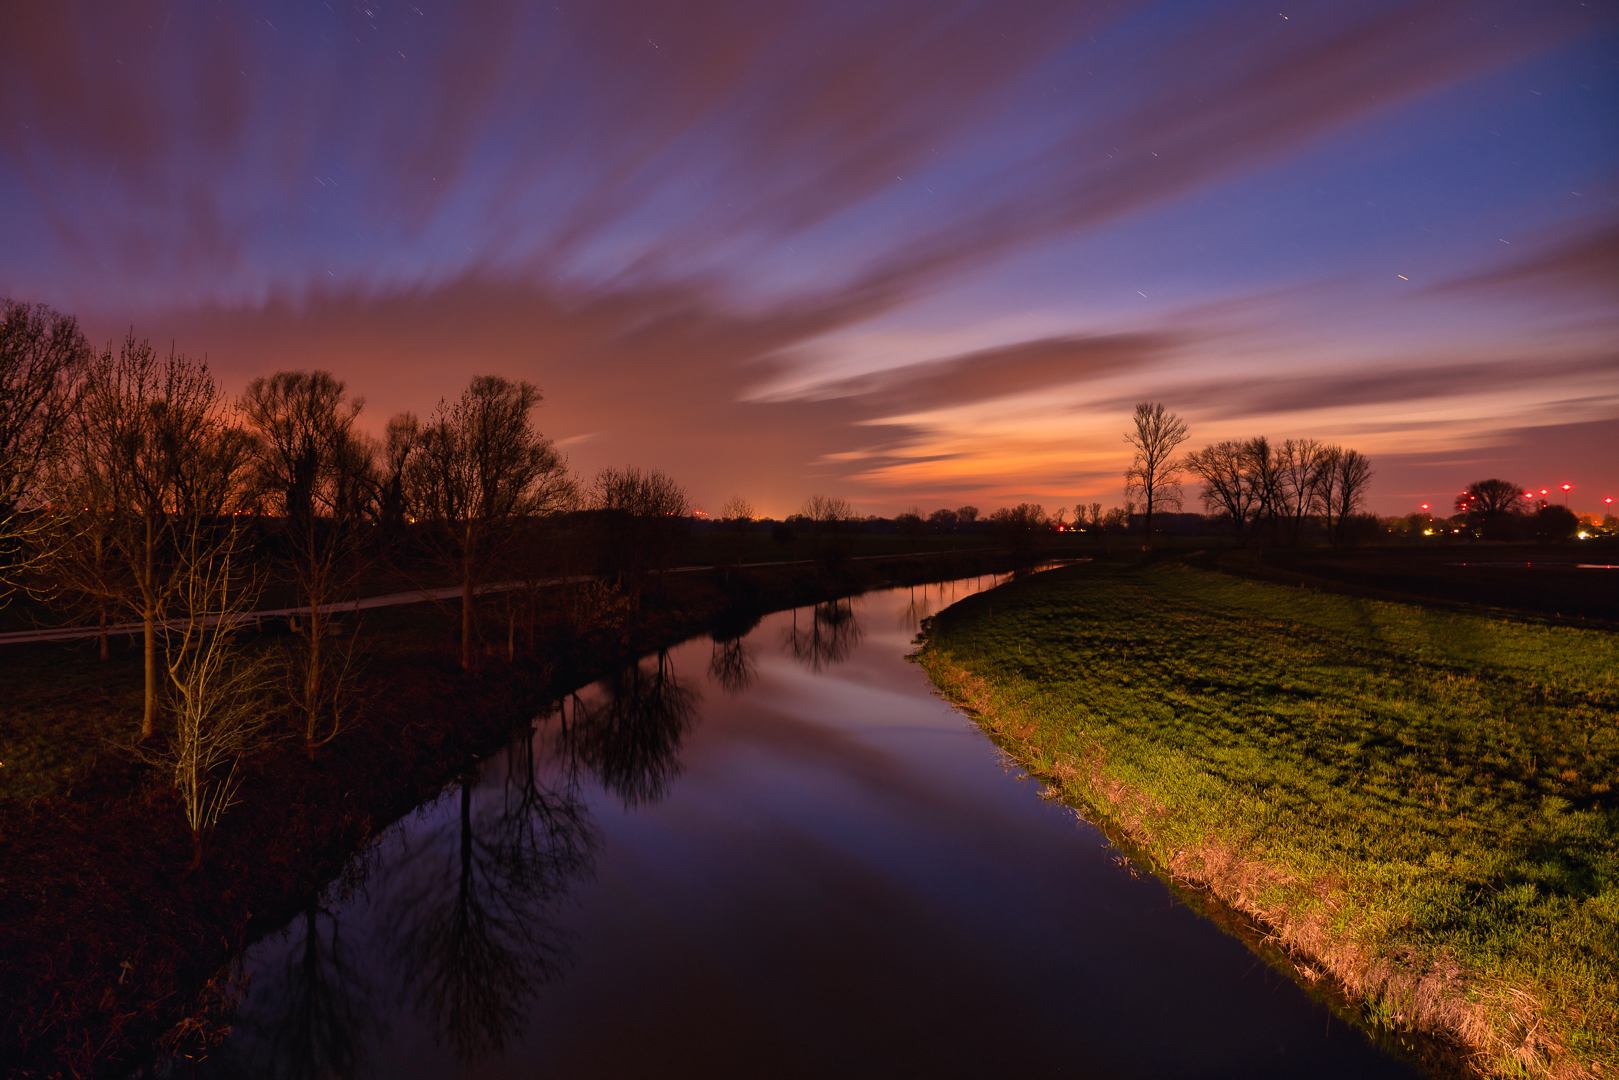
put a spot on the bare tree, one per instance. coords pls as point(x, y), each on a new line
point(1342, 491)
point(219, 695)
point(1023, 526)
point(1155, 471)
point(480, 470)
point(319, 475)
point(736, 521)
point(1262, 474)
point(825, 514)
point(156, 434)
point(1228, 488)
point(1300, 464)
point(1492, 504)
point(401, 444)
point(43, 357)
point(967, 514)
point(644, 516)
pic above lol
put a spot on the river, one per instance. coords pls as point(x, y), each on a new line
point(773, 855)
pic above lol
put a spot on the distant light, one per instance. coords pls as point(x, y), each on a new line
point(1425, 505)
point(1543, 491)
point(1567, 486)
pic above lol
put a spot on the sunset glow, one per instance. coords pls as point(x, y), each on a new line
point(911, 253)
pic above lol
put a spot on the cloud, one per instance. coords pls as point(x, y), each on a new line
point(1418, 381)
point(1586, 260)
point(988, 374)
point(182, 155)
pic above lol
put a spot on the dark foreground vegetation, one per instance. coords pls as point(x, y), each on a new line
point(1418, 803)
point(112, 942)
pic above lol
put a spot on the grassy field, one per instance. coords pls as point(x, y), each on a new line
point(1420, 804)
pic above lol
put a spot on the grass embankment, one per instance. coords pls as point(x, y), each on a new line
point(110, 945)
point(1419, 803)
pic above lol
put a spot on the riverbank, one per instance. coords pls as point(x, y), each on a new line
point(1417, 804)
point(110, 946)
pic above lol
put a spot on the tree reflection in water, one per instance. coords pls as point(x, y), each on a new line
point(630, 738)
point(320, 1015)
point(474, 928)
point(466, 924)
point(730, 662)
point(731, 665)
point(832, 633)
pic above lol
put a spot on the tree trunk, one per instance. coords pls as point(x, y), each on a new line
point(149, 716)
point(312, 680)
point(149, 619)
point(102, 636)
point(466, 618)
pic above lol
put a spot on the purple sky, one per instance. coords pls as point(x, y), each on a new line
point(917, 252)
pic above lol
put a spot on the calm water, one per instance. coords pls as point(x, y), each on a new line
point(778, 855)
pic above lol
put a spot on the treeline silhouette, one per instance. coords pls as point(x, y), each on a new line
point(132, 488)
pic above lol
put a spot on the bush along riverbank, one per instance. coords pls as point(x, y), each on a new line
point(1418, 805)
point(114, 949)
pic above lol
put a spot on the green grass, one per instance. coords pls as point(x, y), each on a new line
point(1405, 786)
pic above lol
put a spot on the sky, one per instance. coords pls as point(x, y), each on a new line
point(918, 252)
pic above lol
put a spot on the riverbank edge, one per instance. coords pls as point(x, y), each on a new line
point(1500, 1030)
point(83, 1000)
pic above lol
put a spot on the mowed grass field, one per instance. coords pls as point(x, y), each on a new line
point(1422, 803)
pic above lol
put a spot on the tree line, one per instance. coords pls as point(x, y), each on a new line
point(1252, 486)
point(132, 487)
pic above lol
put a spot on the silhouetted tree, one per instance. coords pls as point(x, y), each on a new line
point(1492, 506)
point(1342, 489)
point(943, 520)
point(318, 475)
point(155, 435)
point(826, 515)
point(479, 471)
point(1299, 467)
point(43, 358)
point(643, 518)
point(967, 514)
point(1552, 524)
point(401, 444)
point(1155, 472)
point(1023, 527)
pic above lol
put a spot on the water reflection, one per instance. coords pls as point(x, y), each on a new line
point(827, 637)
point(631, 737)
point(321, 1014)
point(730, 664)
point(844, 874)
point(467, 930)
point(473, 931)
